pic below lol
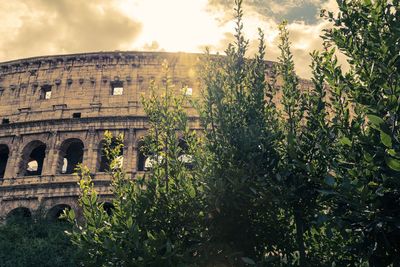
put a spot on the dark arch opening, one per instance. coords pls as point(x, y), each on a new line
point(141, 157)
point(145, 159)
point(33, 158)
point(109, 208)
point(4, 152)
point(71, 154)
point(20, 213)
point(183, 146)
point(104, 162)
point(55, 212)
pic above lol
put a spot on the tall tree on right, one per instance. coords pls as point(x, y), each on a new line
point(367, 169)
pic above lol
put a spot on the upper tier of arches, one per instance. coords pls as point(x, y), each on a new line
point(88, 85)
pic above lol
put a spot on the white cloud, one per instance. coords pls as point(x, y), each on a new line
point(41, 27)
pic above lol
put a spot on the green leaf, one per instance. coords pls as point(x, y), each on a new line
point(375, 119)
point(393, 163)
point(393, 153)
point(93, 198)
point(191, 191)
point(150, 236)
point(386, 139)
point(248, 261)
point(345, 141)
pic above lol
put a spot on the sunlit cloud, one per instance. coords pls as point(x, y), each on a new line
point(43, 27)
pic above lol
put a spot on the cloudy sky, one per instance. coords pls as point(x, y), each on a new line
point(46, 27)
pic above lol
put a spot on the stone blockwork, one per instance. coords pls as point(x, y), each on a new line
point(54, 111)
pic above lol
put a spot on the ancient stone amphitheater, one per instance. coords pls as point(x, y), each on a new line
point(53, 114)
point(54, 111)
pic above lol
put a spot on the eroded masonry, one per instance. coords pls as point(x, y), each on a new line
point(54, 111)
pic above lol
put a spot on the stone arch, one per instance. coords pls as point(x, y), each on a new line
point(70, 155)
point(19, 213)
point(55, 212)
point(104, 164)
point(32, 160)
point(4, 154)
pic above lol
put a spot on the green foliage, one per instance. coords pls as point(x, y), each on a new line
point(304, 148)
point(311, 182)
point(36, 242)
point(238, 122)
point(367, 168)
point(156, 219)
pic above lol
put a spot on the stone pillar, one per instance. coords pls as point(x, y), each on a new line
point(90, 152)
point(14, 158)
point(51, 157)
point(129, 157)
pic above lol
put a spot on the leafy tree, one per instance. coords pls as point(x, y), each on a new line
point(366, 101)
point(36, 242)
point(306, 156)
point(239, 120)
point(156, 219)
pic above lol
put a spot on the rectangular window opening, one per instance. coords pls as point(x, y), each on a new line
point(76, 115)
point(187, 91)
point(5, 121)
point(117, 88)
point(45, 92)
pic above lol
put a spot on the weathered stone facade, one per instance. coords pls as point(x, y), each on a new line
point(54, 111)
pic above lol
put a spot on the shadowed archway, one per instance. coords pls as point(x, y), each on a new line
point(33, 156)
point(4, 153)
point(20, 213)
point(71, 154)
point(55, 212)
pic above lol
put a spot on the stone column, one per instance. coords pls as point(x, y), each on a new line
point(129, 157)
point(90, 152)
point(14, 158)
point(51, 157)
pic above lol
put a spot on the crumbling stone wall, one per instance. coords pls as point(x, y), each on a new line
point(50, 103)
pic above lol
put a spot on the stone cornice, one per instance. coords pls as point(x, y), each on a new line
point(78, 124)
point(106, 56)
point(115, 57)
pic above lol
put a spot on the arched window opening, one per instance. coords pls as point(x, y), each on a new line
point(186, 159)
point(141, 157)
point(33, 158)
point(20, 213)
point(184, 155)
point(151, 161)
point(104, 162)
point(71, 154)
point(145, 161)
point(55, 212)
point(4, 151)
point(33, 166)
point(64, 166)
point(109, 208)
